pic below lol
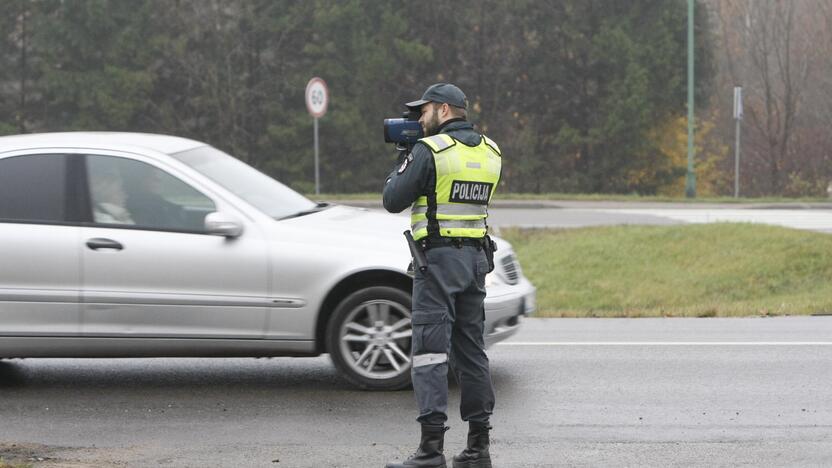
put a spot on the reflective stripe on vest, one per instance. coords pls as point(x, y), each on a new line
point(466, 177)
point(458, 211)
point(474, 224)
point(439, 143)
point(492, 145)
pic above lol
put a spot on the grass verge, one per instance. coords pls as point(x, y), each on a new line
point(5, 464)
point(681, 271)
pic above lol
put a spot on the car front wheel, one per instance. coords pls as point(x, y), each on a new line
point(369, 337)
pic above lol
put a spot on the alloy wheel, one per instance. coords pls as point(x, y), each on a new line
point(375, 339)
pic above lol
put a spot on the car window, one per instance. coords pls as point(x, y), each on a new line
point(132, 193)
point(32, 188)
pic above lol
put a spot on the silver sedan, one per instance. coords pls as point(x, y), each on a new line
point(138, 245)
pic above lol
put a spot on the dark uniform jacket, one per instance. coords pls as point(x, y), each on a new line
point(416, 175)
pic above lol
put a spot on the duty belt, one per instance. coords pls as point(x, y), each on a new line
point(433, 242)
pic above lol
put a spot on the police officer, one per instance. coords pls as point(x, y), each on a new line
point(448, 180)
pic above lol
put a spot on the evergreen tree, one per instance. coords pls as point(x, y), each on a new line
point(576, 92)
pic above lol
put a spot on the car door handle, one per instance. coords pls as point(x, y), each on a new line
point(102, 243)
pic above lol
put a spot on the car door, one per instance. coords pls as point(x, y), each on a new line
point(39, 246)
point(149, 268)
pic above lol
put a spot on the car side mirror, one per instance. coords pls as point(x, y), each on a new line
point(223, 224)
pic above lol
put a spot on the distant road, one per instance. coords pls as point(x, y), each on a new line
point(574, 214)
point(813, 220)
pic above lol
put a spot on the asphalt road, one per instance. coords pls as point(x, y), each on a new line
point(571, 392)
point(575, 214)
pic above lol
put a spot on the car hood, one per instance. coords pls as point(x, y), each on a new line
point(353, 227)
point(359, 228)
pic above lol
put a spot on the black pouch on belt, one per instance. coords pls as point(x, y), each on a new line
point(490, 247)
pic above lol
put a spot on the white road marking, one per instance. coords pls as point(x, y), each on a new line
point(665, 343)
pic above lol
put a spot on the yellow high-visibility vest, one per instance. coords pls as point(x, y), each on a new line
point(466, 177)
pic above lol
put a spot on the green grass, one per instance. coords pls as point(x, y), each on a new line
point(693, 271)
point(591, 197)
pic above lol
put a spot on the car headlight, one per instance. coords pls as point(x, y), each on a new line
point(508, 268)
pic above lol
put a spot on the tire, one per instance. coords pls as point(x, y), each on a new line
point(369, 338)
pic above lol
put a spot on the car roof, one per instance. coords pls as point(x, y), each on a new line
point(123, 141)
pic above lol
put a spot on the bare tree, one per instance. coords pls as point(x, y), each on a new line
point(768, 49)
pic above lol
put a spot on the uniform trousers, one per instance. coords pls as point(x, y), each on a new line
point(448, 322)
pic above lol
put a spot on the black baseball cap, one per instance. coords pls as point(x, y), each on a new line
point(442, 93)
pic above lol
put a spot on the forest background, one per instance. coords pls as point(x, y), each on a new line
point(583, 96)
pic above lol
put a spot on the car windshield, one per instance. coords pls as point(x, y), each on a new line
point(261, 191)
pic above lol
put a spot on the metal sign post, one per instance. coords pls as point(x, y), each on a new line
point(317, 165)
point(690, 180)
point(738, 119)
point(317, 98)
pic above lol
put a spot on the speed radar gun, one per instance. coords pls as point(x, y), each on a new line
point(404, 132)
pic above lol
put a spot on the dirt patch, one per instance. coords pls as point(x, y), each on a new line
point(23, 454)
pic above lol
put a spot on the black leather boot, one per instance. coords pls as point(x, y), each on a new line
point(429, 454)
point(476, 454)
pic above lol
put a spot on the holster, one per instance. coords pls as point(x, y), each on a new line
point(420, 261)
point(489, 248)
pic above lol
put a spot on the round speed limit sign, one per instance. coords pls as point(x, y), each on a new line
point(317, 97)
